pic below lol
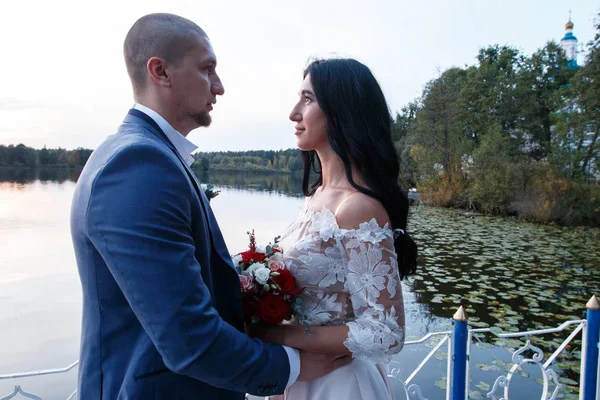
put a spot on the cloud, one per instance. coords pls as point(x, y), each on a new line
point(15, 104)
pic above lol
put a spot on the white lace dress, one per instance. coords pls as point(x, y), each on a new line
point(350, 277)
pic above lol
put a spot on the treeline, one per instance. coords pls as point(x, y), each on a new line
point(23, 156)
point(238, 161)
point(249, 161)
point(512, 135)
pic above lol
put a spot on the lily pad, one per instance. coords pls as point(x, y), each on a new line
point(488, 367)
point(441, 383)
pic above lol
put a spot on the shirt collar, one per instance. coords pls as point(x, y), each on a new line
point(183, 146)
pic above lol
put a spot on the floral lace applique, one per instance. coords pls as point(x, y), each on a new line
point(375, 337)
point(318, 307)
point(367, 275)
point(322, 269)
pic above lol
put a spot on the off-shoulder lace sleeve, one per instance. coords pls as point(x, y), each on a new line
point(373, 284)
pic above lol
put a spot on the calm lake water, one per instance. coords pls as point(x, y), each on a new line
point(510, 275)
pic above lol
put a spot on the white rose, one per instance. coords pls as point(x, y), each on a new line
point(261, 249)
point(262, 275)
point(251, 270)
point(237, 260)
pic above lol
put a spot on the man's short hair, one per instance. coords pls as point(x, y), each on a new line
point(166, 36)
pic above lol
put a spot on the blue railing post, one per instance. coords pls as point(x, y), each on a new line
point(590, 371)
point(459, 355)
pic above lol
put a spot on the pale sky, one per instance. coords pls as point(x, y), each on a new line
point(65, 82)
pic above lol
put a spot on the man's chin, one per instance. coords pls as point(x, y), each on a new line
point(202, 119)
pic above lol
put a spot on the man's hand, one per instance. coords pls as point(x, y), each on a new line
point(313, 365)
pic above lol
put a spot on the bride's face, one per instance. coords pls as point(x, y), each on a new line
point(311, 122)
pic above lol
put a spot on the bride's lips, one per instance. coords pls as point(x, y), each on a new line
point(299, 130)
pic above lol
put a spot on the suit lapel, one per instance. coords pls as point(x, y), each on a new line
point(218, 243)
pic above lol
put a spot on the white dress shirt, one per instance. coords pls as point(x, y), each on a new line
point(185, 148)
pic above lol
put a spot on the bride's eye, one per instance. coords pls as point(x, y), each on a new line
point(307, 100)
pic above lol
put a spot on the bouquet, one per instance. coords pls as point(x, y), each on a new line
point(269, 290)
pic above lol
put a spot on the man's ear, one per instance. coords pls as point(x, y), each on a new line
point(157, 71)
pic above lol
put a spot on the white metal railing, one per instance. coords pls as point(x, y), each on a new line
point(18, 390)
point(458, 363)
point(413, 392)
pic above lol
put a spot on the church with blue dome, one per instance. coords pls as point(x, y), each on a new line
point(569, 44)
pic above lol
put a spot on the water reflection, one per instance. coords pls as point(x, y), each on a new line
point(289, 184)
point(29, 175)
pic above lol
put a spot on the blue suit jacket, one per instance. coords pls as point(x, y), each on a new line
point(162, 311)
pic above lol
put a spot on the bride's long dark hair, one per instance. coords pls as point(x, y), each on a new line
point(359, 131)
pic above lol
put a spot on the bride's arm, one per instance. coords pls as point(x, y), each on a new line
point(322, 339)
point(372, 281)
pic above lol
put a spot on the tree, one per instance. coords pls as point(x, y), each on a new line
point(24, 155)
point(438, 128)
point(577, 122)
point(495, 176)
point(489, 96)
point(543, 75)
point(74, 158)
point(84, 155)
point(295, 164)
point(43, 156)
point(63, 157)
point(205, 164)
point(587, 81)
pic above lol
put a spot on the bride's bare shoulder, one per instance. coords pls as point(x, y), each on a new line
point(358, 208)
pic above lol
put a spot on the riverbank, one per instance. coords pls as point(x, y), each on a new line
point(546, 199)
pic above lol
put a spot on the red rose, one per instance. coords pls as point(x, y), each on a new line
point(258, 257)
point(273, 309)
point(286, 282)
point(249, 256)
point(246, 256)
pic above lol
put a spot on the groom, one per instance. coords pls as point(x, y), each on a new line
point(162, 311)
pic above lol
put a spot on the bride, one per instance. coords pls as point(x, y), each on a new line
point(348, 248)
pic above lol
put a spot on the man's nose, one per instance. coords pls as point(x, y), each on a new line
point(217, 87)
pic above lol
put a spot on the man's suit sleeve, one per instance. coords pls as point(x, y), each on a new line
point(139, 219)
